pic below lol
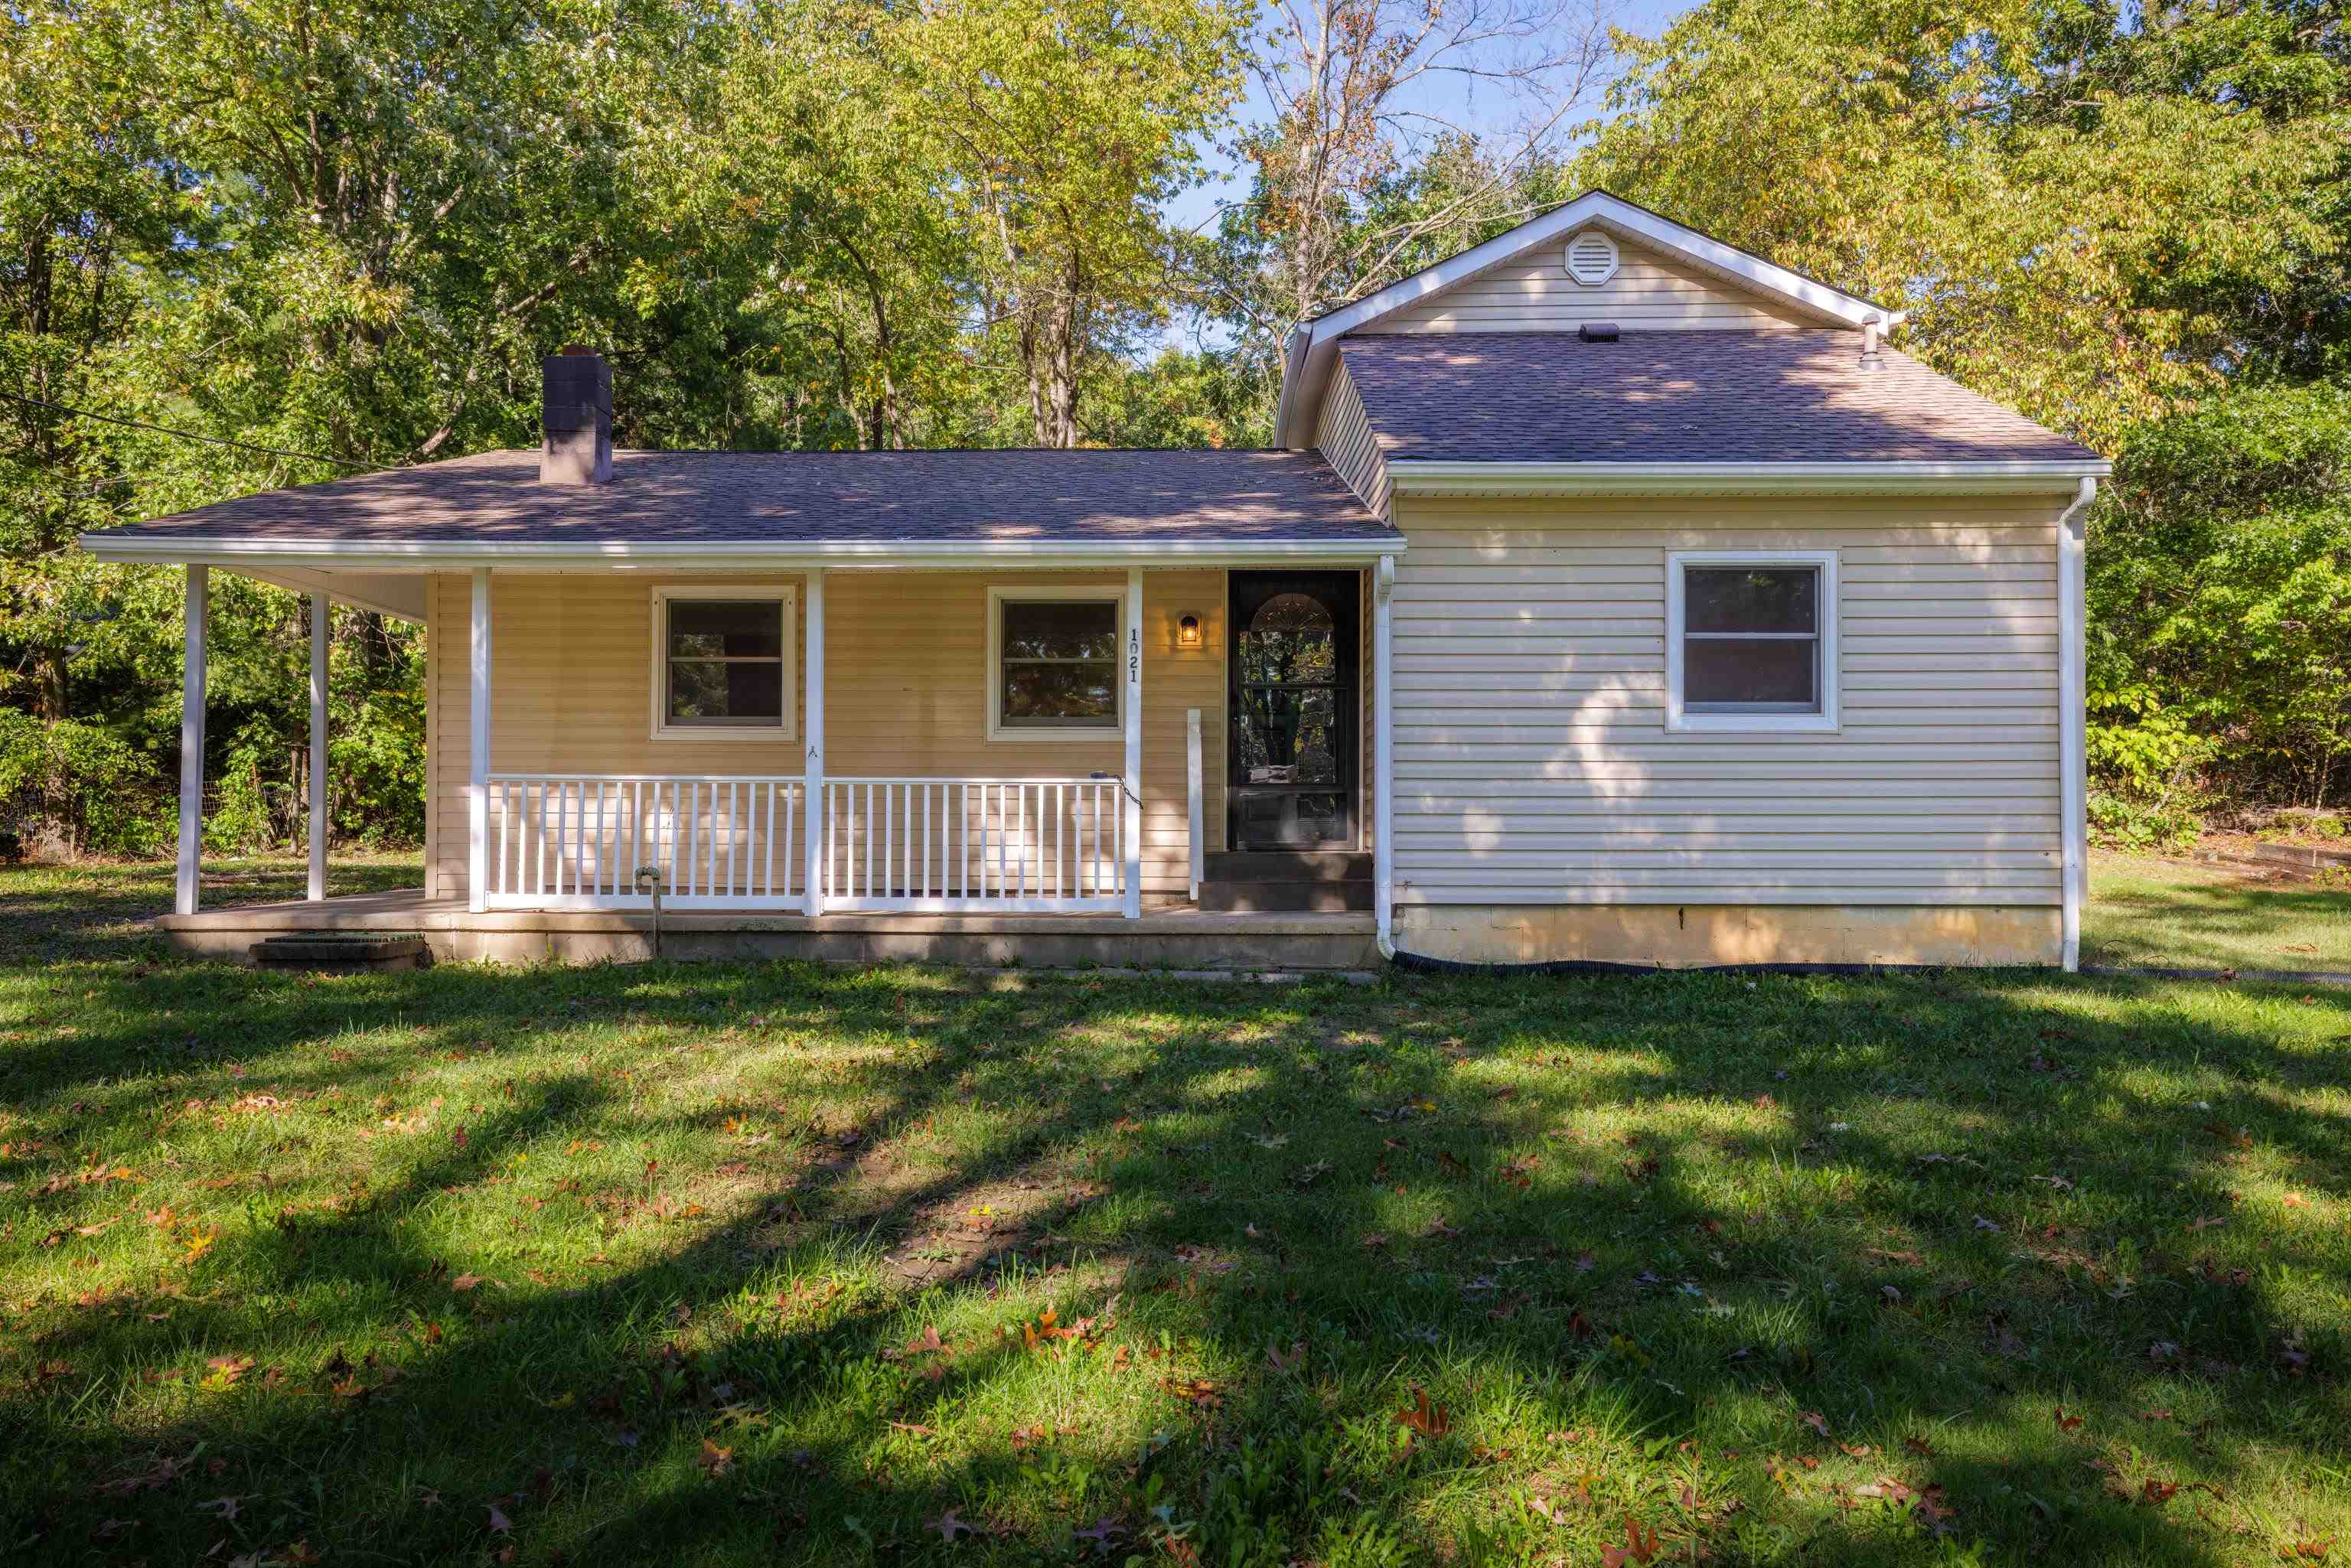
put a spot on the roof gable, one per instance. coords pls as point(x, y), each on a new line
point(1642, 289)
point(1779, 289)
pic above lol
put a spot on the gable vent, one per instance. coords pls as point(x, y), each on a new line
point(1592, 258)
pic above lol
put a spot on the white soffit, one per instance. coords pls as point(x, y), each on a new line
point(1306, 369)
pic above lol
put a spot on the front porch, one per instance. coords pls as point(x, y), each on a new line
point(1169, 937)
point(973, 764)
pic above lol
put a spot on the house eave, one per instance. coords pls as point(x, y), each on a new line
point(255, 556)
point(1423, 477)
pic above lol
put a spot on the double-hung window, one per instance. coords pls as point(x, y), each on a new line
point(724, 663)
point(1052, 664)
point(1750, 640)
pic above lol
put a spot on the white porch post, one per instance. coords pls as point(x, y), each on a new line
point(1131, 786)
point(477, 792)
point(192, 742)
point(1384, 754)
point(814, 829)
point(321, 623)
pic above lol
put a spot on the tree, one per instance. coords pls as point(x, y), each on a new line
point(1059, 126)
point(1371, 162)
point(2087, 220)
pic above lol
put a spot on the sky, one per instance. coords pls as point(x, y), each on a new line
point(1197, 207)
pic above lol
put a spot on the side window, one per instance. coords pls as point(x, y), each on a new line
point(1751, 641)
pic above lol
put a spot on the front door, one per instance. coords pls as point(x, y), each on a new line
point(1295, 711)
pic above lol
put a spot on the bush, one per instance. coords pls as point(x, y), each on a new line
point(78, 790)
point(2220, 579)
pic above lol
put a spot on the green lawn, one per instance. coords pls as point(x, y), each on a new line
point(644, 1264)
point(2146, 911)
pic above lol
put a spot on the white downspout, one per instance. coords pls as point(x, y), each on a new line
point(2073, 719)
point(1384, 755)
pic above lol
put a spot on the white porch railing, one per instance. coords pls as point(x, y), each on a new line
point(574, 841)
point(1005, 845)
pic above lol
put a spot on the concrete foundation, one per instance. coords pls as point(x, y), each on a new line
point(1174, 938)
point(1672, 936)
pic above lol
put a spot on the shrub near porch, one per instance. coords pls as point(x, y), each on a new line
point(720, 1264)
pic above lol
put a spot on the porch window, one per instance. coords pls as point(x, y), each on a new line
point(1052, 664)
point(724, 663)
point(1750, 640)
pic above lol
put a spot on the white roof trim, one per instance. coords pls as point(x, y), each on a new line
point(1316, 343)
point(1426, 477)
point(449, 555)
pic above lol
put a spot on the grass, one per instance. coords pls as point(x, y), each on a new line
point(2146, 911)
point(637, 1264)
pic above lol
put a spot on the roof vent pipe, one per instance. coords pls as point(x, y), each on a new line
point(575, 418)
point(1597, 331)
point(1870, 358)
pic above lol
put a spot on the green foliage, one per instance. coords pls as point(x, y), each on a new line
point(2220, 596)
point(76, 787)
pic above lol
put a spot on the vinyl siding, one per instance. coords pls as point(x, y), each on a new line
point(1533, 764)
point(1532, 293)
point(905, 693)
point(1345, 439)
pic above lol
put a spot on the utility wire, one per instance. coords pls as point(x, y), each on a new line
point(188, 434)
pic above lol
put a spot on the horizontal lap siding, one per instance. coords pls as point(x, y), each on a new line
point(905, 693)
point(1534, 293)
point(1532, 765)
point(1347, 444)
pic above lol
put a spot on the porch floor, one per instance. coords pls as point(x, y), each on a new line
point(1177, 936)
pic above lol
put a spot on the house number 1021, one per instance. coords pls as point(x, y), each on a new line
point(1133, 654)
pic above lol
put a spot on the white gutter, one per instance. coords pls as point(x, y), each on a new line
point(1425, 477)
point(2073, 718)
point(438, 555)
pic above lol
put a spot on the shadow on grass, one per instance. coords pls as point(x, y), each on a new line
point(90, 910)
point(2218, 924)
point(1744, 1202)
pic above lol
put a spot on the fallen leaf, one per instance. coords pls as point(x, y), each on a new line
point(949, 1526)
point(1429, 1420)
point(2067, 1423)
point(1640, 1546)
point(714, 1461)
point(1816, 1421)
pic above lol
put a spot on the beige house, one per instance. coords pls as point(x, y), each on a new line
point(1612, 596)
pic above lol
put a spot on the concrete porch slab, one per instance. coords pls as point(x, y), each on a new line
point(1171, 937)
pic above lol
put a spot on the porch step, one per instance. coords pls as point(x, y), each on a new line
point(1287, 865)
point(342, 952)
point(1257, 881)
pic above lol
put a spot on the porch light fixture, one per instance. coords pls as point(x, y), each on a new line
point(1187, 631)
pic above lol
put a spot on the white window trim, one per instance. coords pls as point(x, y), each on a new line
point(1677, 719)
point(762, 592)
point(1067, 734)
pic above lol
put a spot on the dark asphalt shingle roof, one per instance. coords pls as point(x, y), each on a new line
point(1795, 396)
point(730, 498)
